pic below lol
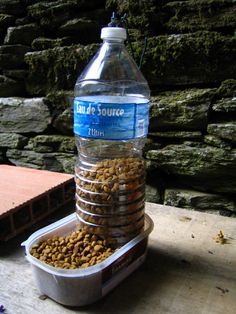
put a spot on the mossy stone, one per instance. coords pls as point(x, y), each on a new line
point(196, 200)
point(20, 115)
point(64, 122)
point(140, 15)
point(10, 87)
point(201, 166)
point(12, 7)
point(217, 142)
point(61, 107)
point(12, 56)
point(224, 130)
point(6, 20)
point(175, 136)
point(51, 15)
point(180, 110)
point(23, 34)
point(190, 16)
point(42, 43)
point(53, 143)
point(188, 59)
point(12, 140)
point(86, 31)
point(226, 105)
point(227, 88)
point(57, 68)
point(60, 162)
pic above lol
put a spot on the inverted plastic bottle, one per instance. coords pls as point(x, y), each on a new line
point(111, 108)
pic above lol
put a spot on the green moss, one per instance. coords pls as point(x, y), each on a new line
point(180, 110)
point(190, 16)
point(227, 88)
point(190, 96)
point(59, 100)
point(50, 143)
point(49, 13)
point(57, 68)
point(49, 9)
point(42, 43)
point(196, 57)
point(140, 14)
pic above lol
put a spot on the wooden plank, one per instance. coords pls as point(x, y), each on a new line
point(200, 274)
point(186, 271)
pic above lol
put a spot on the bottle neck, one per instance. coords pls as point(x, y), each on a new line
point(113, 41)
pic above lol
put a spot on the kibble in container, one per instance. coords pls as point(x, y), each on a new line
point(82, 286)
point(110, 196)
point(115, 235)
point(110, 220)
point(112, 209)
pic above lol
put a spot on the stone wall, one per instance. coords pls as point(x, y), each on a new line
point(190, 64)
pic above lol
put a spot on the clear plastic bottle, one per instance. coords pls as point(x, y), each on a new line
point(110, 124)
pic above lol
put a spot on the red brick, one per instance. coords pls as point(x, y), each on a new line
point(28, 195)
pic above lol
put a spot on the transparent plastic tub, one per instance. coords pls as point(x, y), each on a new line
point(84, 286)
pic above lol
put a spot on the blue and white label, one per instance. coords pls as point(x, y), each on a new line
point(110, 121)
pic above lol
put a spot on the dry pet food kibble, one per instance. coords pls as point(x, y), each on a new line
point(110, 198)
point(101, 183)
point(79, 249)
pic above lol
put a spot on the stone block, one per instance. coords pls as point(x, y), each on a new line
point(53, 143)
point(50, 9)
point(42, 43)
point(10, 87)
point(225, 105)
point(57, 68)
point(141, 15)
point(6, 20)
point(23, 21)
point(60, 162)
point(196, 200)
point(20, 115)
point(188, 59)
point(16, 74)
point(226, 130)
point(180, 110)
point(51, 15)
point(152, 194)
point(87, 31)
point(227, 89)
point(2, 156)
point(201, 166)
point(61, 106)
point(175, 136)
point(23, 34)
point(217, 142)
point(64, 122)
point(190, 16)
point(77, 25)
point(12, 140)
point(12, 7)
point(12, 56)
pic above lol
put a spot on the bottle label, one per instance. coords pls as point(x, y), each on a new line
point(110, 121)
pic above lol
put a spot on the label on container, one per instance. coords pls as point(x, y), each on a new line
point(110, 121)
point(123, 266)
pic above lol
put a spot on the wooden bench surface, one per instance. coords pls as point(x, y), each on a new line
point(186, 271)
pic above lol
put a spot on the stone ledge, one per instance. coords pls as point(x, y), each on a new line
point(199, 201)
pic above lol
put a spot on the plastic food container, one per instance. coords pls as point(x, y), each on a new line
point(86, 285)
